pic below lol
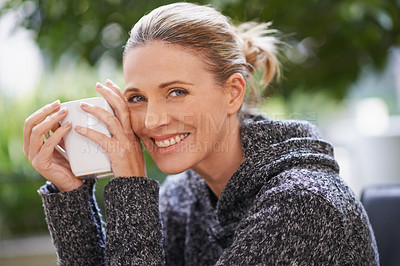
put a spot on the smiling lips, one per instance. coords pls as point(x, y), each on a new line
point(171, 141)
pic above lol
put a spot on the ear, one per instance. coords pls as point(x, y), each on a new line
point(235, 87)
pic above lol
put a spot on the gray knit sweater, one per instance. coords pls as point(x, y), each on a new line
point(285, 205)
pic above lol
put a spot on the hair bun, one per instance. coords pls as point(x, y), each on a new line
point(259, 45)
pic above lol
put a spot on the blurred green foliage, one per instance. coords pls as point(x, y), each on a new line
point(330, 42)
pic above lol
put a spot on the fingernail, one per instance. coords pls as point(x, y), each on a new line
point(109, 81)
point(67, 124)
point(62, 111)
point(55, 104)
point(99, 85)
point(78, 128)
point(84, 105)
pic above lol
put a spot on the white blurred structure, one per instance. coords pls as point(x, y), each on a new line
point(21, 64)
point(372, 116)
point(368, 143)
point(396, 73)
point(33, 251)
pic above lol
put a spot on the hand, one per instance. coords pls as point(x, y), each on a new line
point(123, 148)
point(42, 154)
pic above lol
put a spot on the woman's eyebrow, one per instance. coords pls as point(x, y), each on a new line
point(131, 90)
point(166, 84)
point(161, 86)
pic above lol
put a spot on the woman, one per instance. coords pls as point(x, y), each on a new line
point(251, 191)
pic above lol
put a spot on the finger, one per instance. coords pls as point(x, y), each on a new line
point(110, 120)
point(36, 118)
point(94, 136)
point(106, 91)
point(50, 145)
point(109, 95)
point(118, 104)
point(38, 132)
point(115, 88)
point(62, 144)
point(55, 127)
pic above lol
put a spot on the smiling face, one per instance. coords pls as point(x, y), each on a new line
point(177, 108)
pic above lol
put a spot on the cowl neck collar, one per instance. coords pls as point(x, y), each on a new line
point(270, 147)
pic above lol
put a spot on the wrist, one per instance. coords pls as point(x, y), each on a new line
point(129, 169)
point(70, 186)
point(130, 173)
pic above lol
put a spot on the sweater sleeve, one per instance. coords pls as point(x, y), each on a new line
point(133, 222)
point(75, 224)
point(300, 229)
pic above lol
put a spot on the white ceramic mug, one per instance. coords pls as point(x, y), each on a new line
point(86, 158)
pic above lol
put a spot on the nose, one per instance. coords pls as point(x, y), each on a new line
point(156, 116)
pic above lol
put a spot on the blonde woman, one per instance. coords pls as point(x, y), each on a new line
point(243, 189)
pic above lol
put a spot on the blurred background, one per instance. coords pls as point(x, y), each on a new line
point(341, 71)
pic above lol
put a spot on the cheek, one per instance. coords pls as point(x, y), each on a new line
point(212, 114)
point(137, 121)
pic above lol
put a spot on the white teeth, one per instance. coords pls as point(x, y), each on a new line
point(166, 143)
point(171, 141)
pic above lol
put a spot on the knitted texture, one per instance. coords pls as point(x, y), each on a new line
point(285, 205)
point(133, 222)
point(74, 222)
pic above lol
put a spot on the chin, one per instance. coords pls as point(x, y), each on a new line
point(172, 170)
point(170, 167)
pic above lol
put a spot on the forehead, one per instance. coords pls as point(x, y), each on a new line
point(158, 62)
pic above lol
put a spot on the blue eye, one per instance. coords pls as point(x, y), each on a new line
point(177, 92)
point(136, 99)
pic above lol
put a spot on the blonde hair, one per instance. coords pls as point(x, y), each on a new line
point(225, 48)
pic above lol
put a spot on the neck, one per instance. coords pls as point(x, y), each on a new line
point(219, 167)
